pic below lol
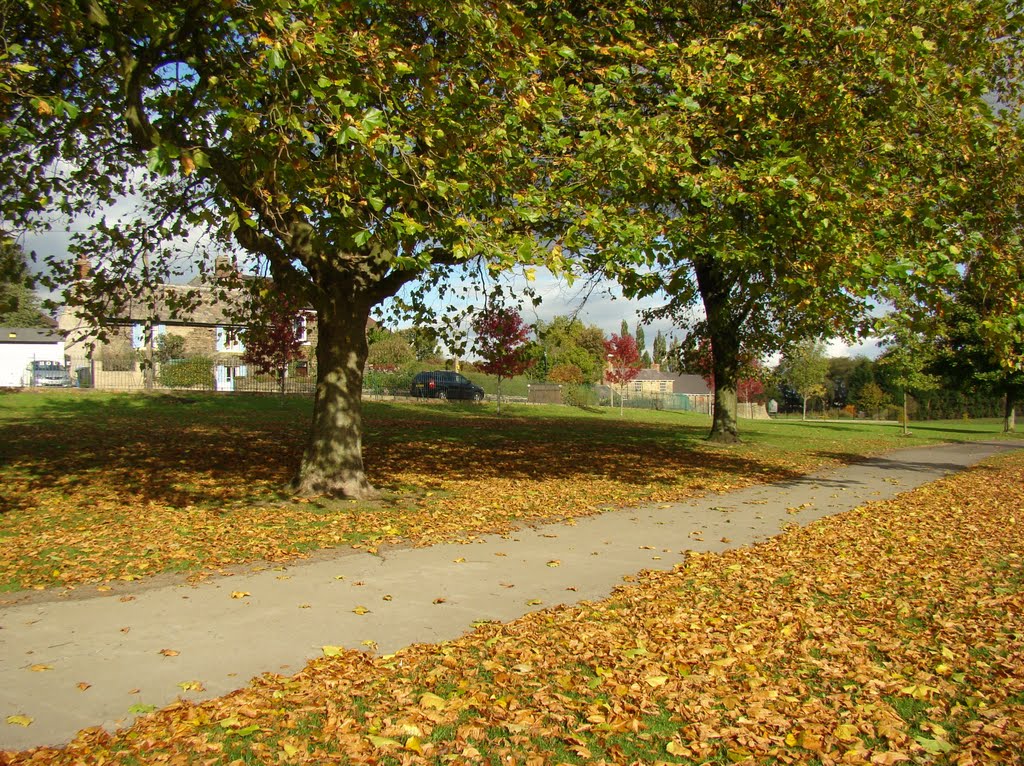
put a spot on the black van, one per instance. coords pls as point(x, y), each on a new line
point(442, 384)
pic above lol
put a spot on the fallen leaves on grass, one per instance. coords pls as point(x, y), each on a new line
point(887, 635)
point(155, 489)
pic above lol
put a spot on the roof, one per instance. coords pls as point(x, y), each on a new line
point(212, 307)
point(690, 384)
point(29, 335)
point(681, 384)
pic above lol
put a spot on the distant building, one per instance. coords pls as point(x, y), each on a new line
point(20, 347)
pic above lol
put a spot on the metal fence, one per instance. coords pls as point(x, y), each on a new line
point(193, 374)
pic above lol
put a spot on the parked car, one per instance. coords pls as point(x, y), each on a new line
point(49, 373)
point(442, 384)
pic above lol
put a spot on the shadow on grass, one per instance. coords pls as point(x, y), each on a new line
point(207, 450)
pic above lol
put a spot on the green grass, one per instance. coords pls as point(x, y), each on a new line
point(185, 482)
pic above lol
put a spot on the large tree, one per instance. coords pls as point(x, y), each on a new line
point(772, 165)
point(345, 148)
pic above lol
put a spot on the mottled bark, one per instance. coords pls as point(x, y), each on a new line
point(723, 325)
point(1010, 413)
point(724, 429)
point(333, 460)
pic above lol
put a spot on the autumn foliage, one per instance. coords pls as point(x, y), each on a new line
point(623, 359)
point(275, 337)
point(881, 636)
point(501, 342)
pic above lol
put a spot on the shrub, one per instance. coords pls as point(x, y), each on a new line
point(196, 371)
point(576, 395)
point(396, 383)
point(565, 373)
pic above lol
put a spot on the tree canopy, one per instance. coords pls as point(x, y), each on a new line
point(777, 164)
point(344, 148)
point(19, 306)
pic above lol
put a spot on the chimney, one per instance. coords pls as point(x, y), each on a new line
point(223, 266)
point(656, 367)
point(82, 267)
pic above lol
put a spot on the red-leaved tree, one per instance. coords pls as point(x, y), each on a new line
point(749, 384)
point(624, 362)
point(274, 338)
point(501, 342)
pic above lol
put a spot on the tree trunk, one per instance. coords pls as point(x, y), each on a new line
point(723, 425)
point(804, 417)
point(723, 332)
point(333, 460)
point(1010, 413)
point(905, 431)
point(499, 395)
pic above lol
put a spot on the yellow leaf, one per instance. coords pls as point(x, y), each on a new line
point(413, 743)
point(83, 685)
point(846, 732)
point(19, 720)
point(192, 686)
point(289, 750)
point(554, 563)
point(240, 593)
point(429, 700)
point(360, 610)
point(534, 602)
point(169, 652)
point(811, 742)
point(656, 681)
point(332, 651)
point(383, 741)
point(791, 740)
point(40, 668)
point(459, 560)
point(531, 274)
point(677, 749)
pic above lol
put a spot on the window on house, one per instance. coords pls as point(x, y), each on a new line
point(663, 386)
point(638, 385)
point(300, 329)
point(229, 341)
point(139, 337)
point(302, 369)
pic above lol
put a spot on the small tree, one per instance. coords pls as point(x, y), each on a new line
point(170, 346)
point(751, 387)
point(624, 361)
point(502, 340)
point(906, 361)
point(275, 337)
point(390, 352)
point(805, 367)
point(871, 398)
point(566, 373)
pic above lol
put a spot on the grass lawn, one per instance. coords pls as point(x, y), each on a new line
point(890, 634)
point(96, 487)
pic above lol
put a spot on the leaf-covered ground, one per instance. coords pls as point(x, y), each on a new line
point(890, 634)
point(99, 487)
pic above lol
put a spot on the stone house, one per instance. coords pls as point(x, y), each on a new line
point(207, 319)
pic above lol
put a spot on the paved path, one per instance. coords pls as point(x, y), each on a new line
point(227, 630)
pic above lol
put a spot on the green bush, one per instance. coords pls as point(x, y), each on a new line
point(382, 382)
point(576, 395)
point(187, 373)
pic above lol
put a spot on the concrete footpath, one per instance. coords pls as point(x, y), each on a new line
point(69, 663)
